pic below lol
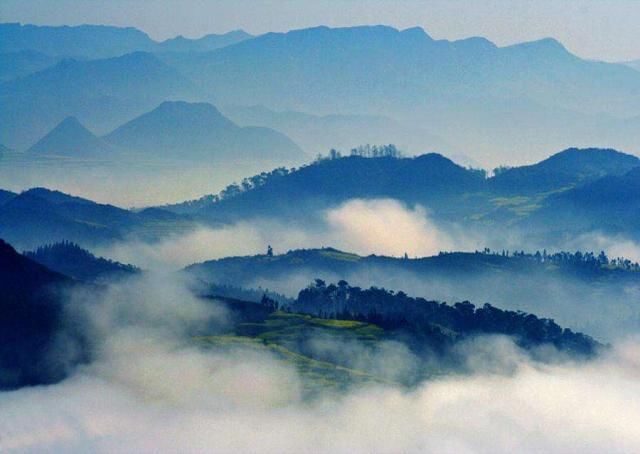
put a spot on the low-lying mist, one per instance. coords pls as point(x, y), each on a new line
point(375, 226)
point(152, 388)
point(387, 227)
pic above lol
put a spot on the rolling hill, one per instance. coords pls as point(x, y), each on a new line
point(608, 205)
point(199, 131)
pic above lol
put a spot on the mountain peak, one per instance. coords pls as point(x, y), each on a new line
point(69, 138)
point(198, 130)
point(416, 32)
point(543, 47)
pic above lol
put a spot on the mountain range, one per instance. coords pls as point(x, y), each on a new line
point(495, 104)
point(532, 96)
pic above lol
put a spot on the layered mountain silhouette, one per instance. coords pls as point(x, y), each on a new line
point(22, 63)
point(496, 104)
point(547, 284)
point(430, 179)
point(70, 139)
point(319, 133)
point(322, 67)
point(104, 93)
point(200, 131)
point(478, 97)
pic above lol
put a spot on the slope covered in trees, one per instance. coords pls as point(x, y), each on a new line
point(449, 191)
point(434, 322)
point(71, 260)
point(31, 322)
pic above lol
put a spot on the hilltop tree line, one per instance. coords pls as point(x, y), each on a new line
point(364, 151)
point(440, 323)
point(587, 260)
point(256, 181)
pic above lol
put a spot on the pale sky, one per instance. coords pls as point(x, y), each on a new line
point(598, 29)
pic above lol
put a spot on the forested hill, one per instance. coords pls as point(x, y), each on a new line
point(430, 178)
point(31, 321)
point(434, 322)
point(585, 291)
point(449, 191)
point(70, 259)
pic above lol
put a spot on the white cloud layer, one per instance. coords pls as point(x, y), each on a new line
point(375, 226)
point(151, 389)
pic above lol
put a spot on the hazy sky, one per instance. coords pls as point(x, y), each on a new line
point(600, 29)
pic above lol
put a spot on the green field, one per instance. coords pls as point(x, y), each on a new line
point(284, 335)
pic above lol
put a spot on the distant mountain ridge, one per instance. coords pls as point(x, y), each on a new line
point(495, 104)
point(318, 133)
point(206, 43)
point(101, 41)
point(22, 63)
point(338, 65)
